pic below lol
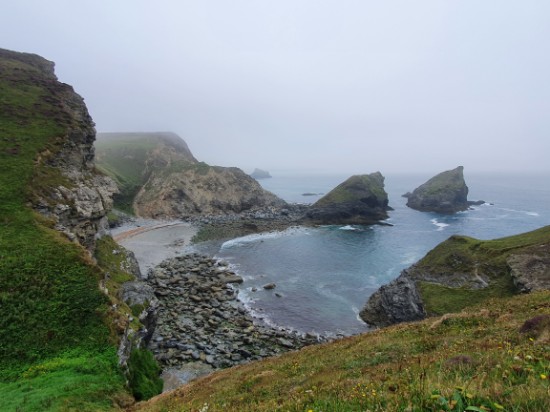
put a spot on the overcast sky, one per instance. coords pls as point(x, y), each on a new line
point(334, 86)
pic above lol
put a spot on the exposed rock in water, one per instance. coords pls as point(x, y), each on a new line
point(398, 301)
point(260, 174)
point(361, 199)
point(445, 193)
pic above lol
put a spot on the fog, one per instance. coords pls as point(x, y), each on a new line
point(318, 86)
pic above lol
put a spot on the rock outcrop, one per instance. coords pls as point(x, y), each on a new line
point(396, 302)
point(462, 271)
point(260, 174)
point(67, 189)
point(445, 193)
point(160, 178)
point(202, 190)
point(361, 199)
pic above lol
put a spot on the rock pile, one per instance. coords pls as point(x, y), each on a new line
point(200, 318)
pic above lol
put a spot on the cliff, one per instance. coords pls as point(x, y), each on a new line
point(160, 178)
point(460, 272)
point(61, 312)
point(445, 193)
point(361, 199)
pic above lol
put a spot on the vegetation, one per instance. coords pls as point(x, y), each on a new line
point(56, 352)
point(473, 361)
point(144, 374)
point(355, 188)
point(128, 158)
point(461, 257)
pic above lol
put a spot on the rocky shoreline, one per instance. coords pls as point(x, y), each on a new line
point(202, 326)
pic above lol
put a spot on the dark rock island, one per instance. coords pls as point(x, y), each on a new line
point(359, 200)
point(260, 174)
point(445, 193)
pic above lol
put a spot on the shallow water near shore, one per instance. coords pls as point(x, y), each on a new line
point(324, 275)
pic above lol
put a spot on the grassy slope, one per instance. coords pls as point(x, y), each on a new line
point(55, 350)
point(345, 192)
point(477, 359)
point(124, 156)
point(460, 254)
point(124, 160)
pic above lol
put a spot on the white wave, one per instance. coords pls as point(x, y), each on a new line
point(260, 237)
point(440, 226)
point(527, 212)
point(348, 227)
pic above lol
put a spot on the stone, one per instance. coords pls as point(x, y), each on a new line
point(269, 286)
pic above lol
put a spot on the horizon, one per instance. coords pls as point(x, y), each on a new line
point(309, 85)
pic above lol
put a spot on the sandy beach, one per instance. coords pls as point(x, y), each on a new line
point(153, 241)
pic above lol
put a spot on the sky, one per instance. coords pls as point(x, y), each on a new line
point(320, 86)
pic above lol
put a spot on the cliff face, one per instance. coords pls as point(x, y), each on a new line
point(361, 199)
point(66, 187)
point(160, 178)
point(445, 193)
point(460, 272)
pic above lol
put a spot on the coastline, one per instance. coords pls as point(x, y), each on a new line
point(201, 324)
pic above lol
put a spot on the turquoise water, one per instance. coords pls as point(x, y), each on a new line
point(325, 275)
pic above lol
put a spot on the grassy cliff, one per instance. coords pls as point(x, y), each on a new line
point(57, 347)
point(484, 359)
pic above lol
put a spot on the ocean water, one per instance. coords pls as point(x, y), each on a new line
point(325, 275)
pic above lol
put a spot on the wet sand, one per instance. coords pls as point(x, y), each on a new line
point(153, 241)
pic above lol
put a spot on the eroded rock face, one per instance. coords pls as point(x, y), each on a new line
point(398, 301)
point(445, 193)
point(530, 272)
point(361, 199)
point(79, 199)
point(202, 190)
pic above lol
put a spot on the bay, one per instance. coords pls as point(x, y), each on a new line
point(325, 275)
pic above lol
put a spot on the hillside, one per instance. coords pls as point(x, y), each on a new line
point(59, 329)
point(159, 178)
point(485, 359)
point(460, 272)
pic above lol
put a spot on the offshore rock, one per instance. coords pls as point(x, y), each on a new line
point(260, 174)
point(361, 199)
point(445, 193)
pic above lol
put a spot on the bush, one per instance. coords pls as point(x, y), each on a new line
point(144, 374)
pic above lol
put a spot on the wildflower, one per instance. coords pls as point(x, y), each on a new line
point(543, 376)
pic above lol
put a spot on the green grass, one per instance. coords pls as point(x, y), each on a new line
point(353, 189)
point(129, 160)
point(461, 256)
point(73, 381)
point(53, 315)
point(478, 359)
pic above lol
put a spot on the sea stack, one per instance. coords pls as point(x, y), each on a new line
point(260, 174)
point(445, 193)
point(361, 200)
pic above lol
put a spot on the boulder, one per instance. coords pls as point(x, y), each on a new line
point(361, 199)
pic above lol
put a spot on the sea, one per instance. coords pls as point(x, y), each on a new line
point(325, 275)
